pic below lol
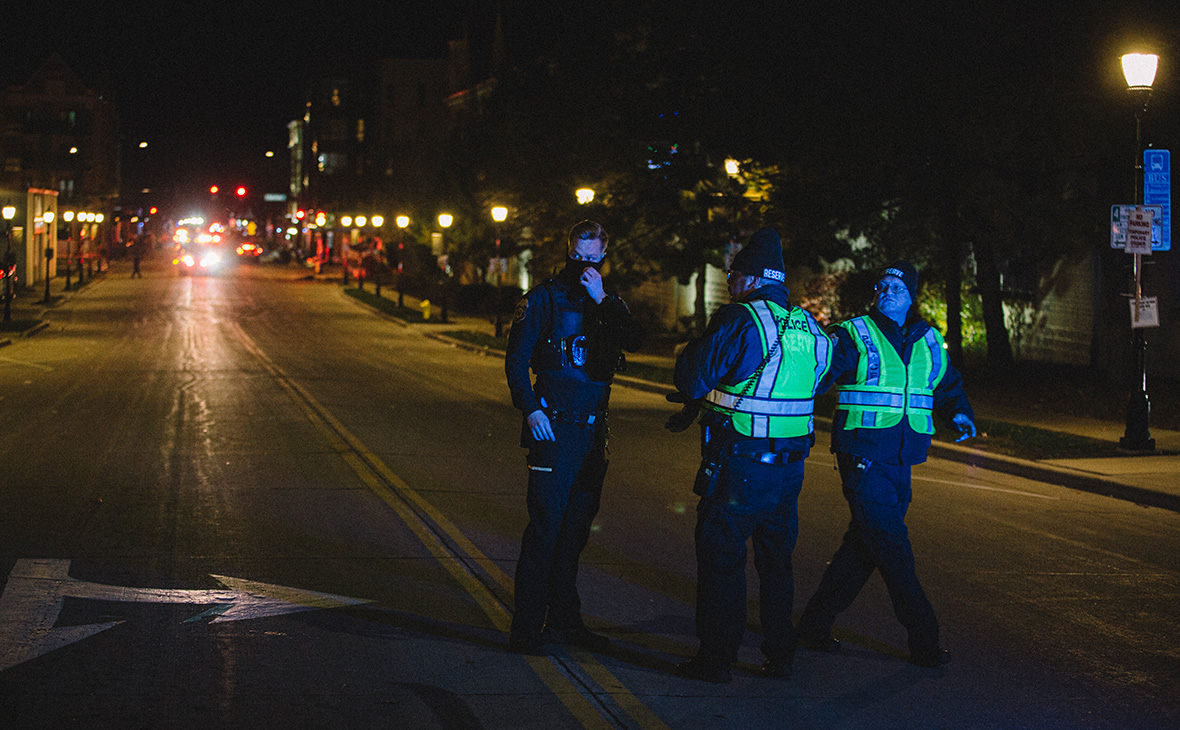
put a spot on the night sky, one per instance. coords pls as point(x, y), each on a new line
point(212, 86)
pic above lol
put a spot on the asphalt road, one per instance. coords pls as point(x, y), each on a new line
point(248, 501)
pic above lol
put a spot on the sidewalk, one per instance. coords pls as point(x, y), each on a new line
point(32, 314)
point(1144, 479)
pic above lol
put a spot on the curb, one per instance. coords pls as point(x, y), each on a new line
point(1060, 476)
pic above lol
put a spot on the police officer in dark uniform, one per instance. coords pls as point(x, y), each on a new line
point(571, 332)
point(754, 372)
point(892, 372)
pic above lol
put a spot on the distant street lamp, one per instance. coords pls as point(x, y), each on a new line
point(445, 220)
point(68, 217)
point(9, 212)
point(584, 195)
point(48, 218)
point(1139, 70)
point(402, 221)
point(499, 215)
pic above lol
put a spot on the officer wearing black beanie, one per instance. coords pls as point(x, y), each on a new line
point(881, 428)
point(754, 374)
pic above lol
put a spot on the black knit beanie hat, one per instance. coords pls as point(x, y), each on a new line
point(762, 256)
point(905, 271)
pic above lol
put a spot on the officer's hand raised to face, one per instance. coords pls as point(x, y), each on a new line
point(592, 280)
point(540, 427)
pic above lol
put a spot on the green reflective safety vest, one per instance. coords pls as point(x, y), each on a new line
point(778, 401)
point(885, 389)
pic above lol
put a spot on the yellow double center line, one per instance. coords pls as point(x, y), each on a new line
point(426, 522)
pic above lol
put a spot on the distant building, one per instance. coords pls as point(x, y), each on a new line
point(369, 143)
point(59, 148)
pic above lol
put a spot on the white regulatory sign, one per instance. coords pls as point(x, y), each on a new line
point(1139, 231)
point(1120, 216)
point(1145, 312)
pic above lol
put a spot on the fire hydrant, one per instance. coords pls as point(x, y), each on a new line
point(425, 307)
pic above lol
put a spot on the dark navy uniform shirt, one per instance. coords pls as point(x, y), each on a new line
point(541, 316)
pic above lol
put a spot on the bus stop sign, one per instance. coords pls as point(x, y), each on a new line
point(1157, 190)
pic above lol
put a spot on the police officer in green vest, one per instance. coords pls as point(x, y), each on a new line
point(892, 372)
point(754, 374)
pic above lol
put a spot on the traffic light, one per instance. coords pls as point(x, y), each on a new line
point(299, 214)
point(153, 210)
point(241, 191)
point(213, 189)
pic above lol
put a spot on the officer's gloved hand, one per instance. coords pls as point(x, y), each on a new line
point(965, 425)
point(683, 418)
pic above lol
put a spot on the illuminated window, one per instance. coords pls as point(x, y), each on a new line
point(360, 130)
point(335, 97)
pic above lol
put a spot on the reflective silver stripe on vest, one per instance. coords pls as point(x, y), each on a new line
point(765, 385)
point(921, 402)
point(872, 355)
point(762, 406)
point(936, 355)
point(872, 365)
point(875, 398)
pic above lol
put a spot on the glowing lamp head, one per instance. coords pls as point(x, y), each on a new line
point(499, 214)
point(378, 221)
point(361, 220)
point(445, 220)
point(584, 195)
point(1139, 69)
point(9, 212)
point(346, 221)
point(49, 216)
point(731, 167)
point(402, 221)
point(67, 216)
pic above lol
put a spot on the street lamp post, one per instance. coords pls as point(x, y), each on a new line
point(499, 215)
point(9, 212)
point(378, 221)
point(68, 217)
point(1139, 70)
point(48, 218)
point(445, 220)
point(402, 221)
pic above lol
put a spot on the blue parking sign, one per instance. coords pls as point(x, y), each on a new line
point(1157, 190)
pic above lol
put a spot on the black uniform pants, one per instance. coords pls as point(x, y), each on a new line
point(877, 539)
point(758, 502)
point(564, 492)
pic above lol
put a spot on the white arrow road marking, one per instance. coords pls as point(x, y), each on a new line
point(36, 589)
